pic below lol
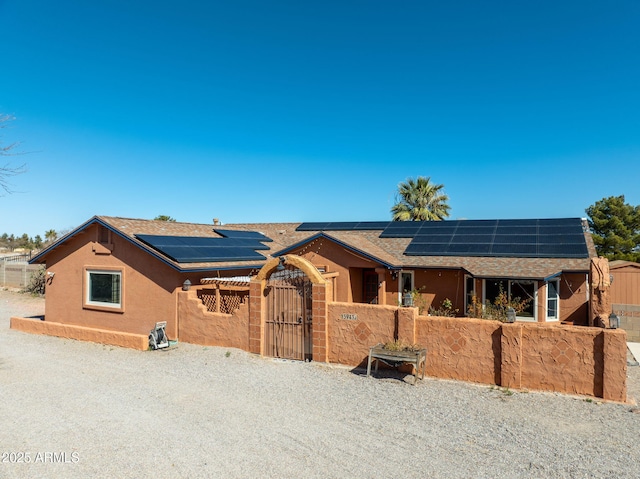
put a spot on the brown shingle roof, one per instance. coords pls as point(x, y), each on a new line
point(388, 251)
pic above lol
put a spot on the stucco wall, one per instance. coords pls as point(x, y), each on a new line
point(331, 257)
point(102, 336)
point(199, 326)
point(436, 286)
point(149, 285)
point(464, 349)
point(354, 328)
point(569, 359)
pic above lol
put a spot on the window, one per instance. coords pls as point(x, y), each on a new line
point(525, 290)
point(405, 285)
point(103, 289)
point(469, 290)
point(553, 300)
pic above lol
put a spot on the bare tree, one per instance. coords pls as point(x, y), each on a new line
point(7, 170)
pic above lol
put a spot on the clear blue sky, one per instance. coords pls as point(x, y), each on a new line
point(276, 111)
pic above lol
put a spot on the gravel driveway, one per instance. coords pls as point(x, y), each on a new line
point(78, 410)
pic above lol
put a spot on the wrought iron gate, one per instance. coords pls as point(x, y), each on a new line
point(288, 315)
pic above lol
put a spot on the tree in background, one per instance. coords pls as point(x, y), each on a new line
point(50, 236)
point(615, 227)
point(164, 218)
point(420, 200)
point(6, 170)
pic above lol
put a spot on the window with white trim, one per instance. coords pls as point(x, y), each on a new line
point(406, 281)
point(405, 284)
point(103, 288)
point(553, 300)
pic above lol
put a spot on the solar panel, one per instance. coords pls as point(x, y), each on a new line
point(547, 238)
point(516, 238)
point(399, 233)
point(517, 250)
point(420, 238)
point(513, 223)
point(456, 239)
point(344, 226)
point(480, 249)
point(437, 229)
point(517, 230)
point(562, 229)
point(476, 230)
point(312, 226)
point(401, 229)
point(562, 239)
point(560, 222)
point(477, 223)
point(372, 225)
point(562, 250)
point(251, 235)
point(197, 249)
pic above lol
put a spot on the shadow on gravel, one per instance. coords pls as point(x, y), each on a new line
point(385, 373)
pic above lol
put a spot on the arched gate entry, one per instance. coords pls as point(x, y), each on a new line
point(288, 319)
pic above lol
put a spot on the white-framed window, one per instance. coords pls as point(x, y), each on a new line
point(553, 300)
point(103, 289)
point(405, 285)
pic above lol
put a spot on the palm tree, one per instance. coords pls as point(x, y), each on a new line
point(420, 200)
point(50, 236)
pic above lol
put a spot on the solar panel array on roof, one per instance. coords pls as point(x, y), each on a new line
point(196, 249)
point(241, 234)
point(529, 238)
point(552, 238)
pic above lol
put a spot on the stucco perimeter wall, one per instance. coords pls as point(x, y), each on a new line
point(567, 359)
point(198, 326)
point(576, 360)
point(353, 328)
point(103, 336)
point(464, 349)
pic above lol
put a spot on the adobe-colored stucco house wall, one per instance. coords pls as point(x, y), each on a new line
point(149, 286)
point(330, 257)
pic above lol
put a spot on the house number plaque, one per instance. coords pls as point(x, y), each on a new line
point(349, 316)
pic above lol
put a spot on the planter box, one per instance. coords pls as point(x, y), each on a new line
point(396, 358)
